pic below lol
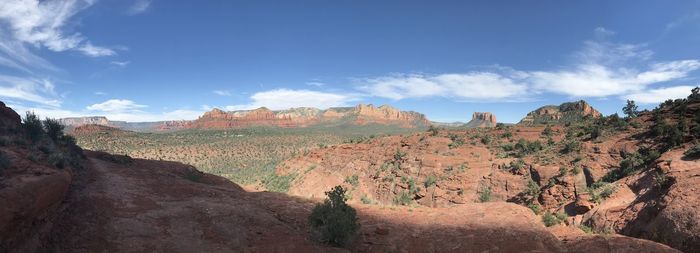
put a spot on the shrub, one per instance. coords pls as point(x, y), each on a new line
point(58, 160)
point(277, 183)
point(532, 190)
point(562, 171)
point(365, 200)
point(535, 208)
point(5, 162)
point(398, 156)
point(486, 139)
point(334, 221)
point(660, 180)
point(430, 181)
point(193, 175)
point(550, 219)
point(54, 129)
point(571, 145)
point(485, 195)
point(547, 131)
point(585, 229)
point(353, 180)
point(31, 124)
point(693, 152)
point(433, 130)
point(403, 198)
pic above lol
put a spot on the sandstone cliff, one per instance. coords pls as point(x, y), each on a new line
point(482, 119)
point(305, 117)
point(564, 113)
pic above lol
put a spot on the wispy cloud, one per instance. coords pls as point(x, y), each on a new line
point(655, 96)
point(222, 93)
point(600, 69)
point(120, 63)
point(116, 106)
point(285, 98)
point(41, 23)
point(39, 91)
point(139, 6)
point(462, 86)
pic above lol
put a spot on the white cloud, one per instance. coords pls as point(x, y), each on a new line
point(139, 6)
point(134, 116)
point(116, 106)
point(100, 93)
point(280, 99)
point(600, 69)
point(41, 23)
point(120, 63)
point(95, 51)
point(462, 86)
point(39, 91)
point(316, 83)
point(222, 93)
point(655, 96)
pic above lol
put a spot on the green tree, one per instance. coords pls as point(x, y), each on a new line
point(630, 109)
point(334, 221)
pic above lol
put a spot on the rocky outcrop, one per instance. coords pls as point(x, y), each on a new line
point(564, 113)
point(9, 119)
point(79, 121)
point(482, 119)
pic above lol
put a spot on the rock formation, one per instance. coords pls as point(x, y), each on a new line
point(482, 119)
point(564, 113)
point(304, 117)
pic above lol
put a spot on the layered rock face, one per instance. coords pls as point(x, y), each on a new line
point(304, 117)
point(482, 119)
point(564, 113)
point(79, 121)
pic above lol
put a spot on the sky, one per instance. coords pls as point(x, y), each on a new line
point(152, 60)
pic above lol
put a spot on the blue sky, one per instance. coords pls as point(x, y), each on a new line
point(143, 60)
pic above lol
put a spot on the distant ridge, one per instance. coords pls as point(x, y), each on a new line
point(290, 118)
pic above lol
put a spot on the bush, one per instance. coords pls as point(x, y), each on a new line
point(58, 160)
point(486, 139)
point(430, 181)
point(570, 146)
point(535, 208)
point(5, 162)
point(353, 180)
point(693, 152)
point(403, 198)
point(334, 221)
point(547, 131)
point(365, 200)
point(550, 219)
point(31, 124)
point(433, 130)
point(485, 195)
point(54, 129)
point(532, 190)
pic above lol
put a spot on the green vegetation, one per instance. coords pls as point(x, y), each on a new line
point(430, 181)
point(547, 131)
point(334, 221)
point(403, 198)
point(278, 183)
point(631, 164)
point(31, 124)
point(485, 195)
point(551, 219)
point(353, 180)
point(630, 109)
point(193, 175)
point(535, 208)
point(5, 162)
point(365, 199)
point(693, 152)
point(245, 156)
